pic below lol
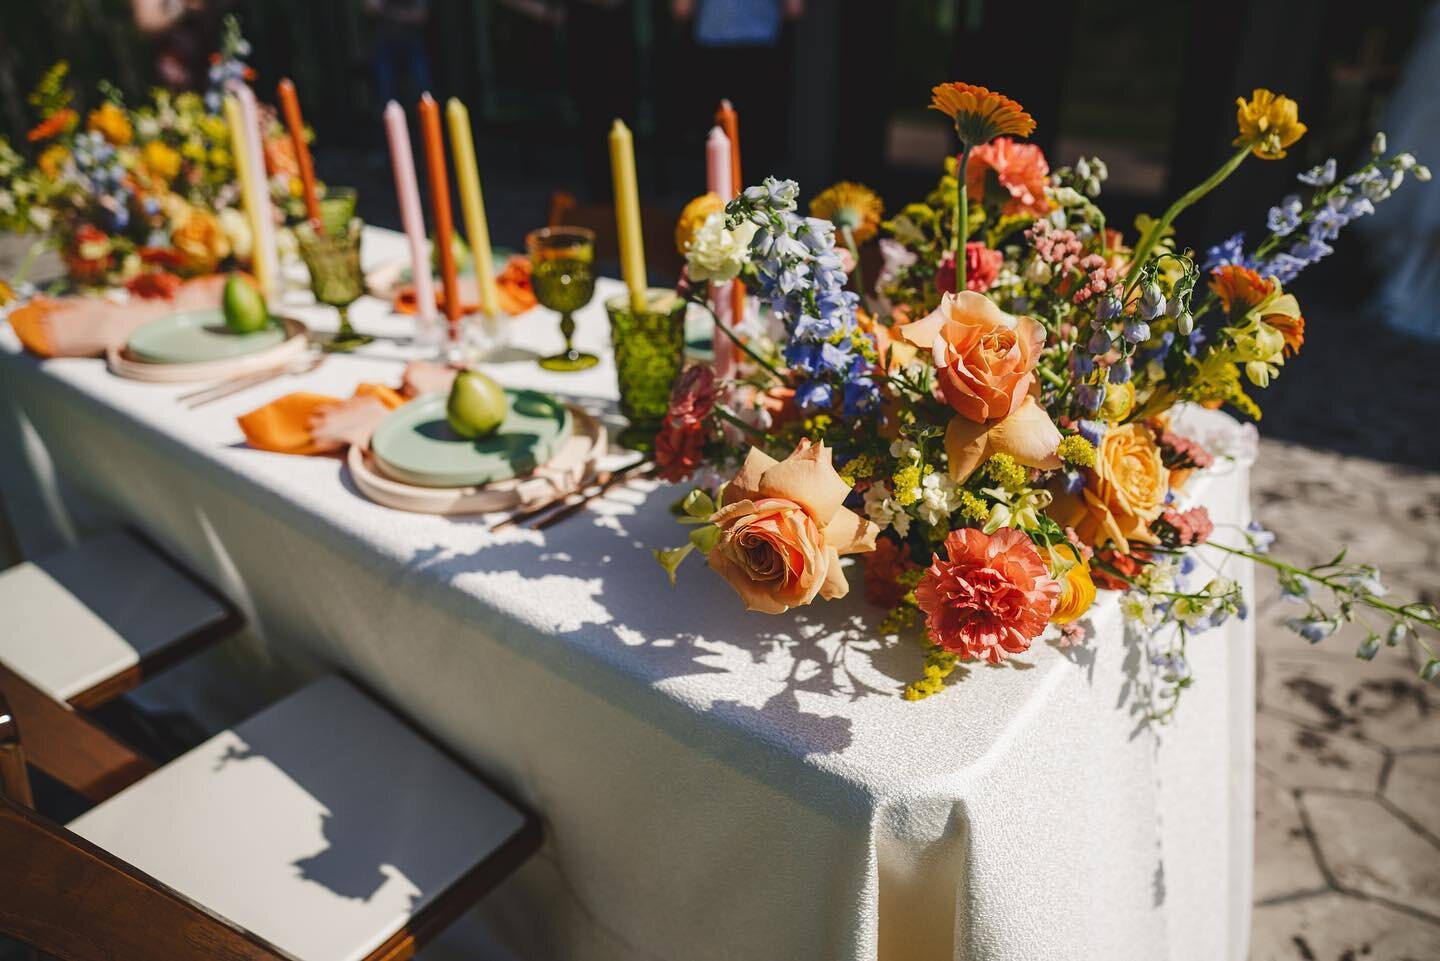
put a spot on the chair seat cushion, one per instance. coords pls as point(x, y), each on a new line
point(79, 617)
point(323, 824)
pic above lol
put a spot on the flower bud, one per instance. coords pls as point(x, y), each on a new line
point(1185, 323)
point(1137, 332)
point(1152, 302)
point(1377, 145)
point(1404, 160)
point(1422, 173)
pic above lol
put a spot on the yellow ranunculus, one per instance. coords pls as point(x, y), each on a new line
point(1077, 589)
point(161, 161)
point(110, 121)
point(1119, 402)
point(201, 241)
point(52, 159)
point(1268, 122)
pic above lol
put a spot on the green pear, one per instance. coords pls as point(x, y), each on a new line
point(477, 405)
point(245, 310)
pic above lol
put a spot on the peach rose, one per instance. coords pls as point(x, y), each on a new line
point(201, 241)
point(782, 530)
point(1123, 493)
point(985, 368)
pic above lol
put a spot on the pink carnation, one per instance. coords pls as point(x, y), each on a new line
point(990, 598)
point(1185, 528)
point(982, 266)
point(1018, 170)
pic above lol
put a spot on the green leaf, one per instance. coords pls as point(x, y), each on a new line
point(670, 559)
point(704, 538)
point(697, 503)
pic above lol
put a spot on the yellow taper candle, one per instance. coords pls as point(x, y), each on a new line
point(235, 121)
point(627, 212)
point(472, 204)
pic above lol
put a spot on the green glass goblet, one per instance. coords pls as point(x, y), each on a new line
point(562, 261)
point(649, 352)
point(335, 276)
point(337, 208)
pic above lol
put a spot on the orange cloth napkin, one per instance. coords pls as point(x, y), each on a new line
point(87, 326)
point(513, 285)
point(285, 425)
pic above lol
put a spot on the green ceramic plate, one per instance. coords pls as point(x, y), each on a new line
point(197, 336)
point(415, 445)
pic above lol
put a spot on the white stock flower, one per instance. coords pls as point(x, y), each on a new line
point(717, 254)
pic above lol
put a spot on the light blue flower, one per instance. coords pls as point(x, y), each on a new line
point(1321, 176)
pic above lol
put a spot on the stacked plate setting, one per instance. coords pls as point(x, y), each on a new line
point(196, 345)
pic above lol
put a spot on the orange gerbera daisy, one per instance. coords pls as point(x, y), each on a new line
point(980, 115)
point(1239, 288)
point(61, 121)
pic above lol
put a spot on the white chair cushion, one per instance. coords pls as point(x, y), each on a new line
point(74, 619)
point(322, 824)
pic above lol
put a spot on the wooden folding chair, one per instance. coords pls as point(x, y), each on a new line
point(80, 628)
point(321, 829)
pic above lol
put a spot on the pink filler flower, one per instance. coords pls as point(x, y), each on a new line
point(990, 598)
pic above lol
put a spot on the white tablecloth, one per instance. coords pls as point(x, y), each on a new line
point(715, 784)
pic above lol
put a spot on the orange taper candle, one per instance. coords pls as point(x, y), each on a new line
point(729, 121)
point(290, 107)
point(440, 207)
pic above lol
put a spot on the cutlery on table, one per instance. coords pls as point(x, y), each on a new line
point(603, 477)
point(603, 482)
point(203, 396)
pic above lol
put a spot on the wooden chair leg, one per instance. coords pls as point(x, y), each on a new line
point(76, 902)
point(68, 746)
point(14, 779)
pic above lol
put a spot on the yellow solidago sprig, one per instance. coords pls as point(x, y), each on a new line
point(850, 206)
point(1076, 451)
point(1268, 123)
point(939, 664)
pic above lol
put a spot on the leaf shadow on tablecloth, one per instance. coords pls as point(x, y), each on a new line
point(785, 678)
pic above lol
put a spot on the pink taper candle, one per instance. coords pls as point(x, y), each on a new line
point(267, 267)
point(717, 176)
point(412, 217)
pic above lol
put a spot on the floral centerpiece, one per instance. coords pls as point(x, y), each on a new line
point(140, 197)
point(990, 422)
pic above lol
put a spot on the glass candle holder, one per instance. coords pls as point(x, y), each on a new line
point(649, 352)
point(335, 275)
point(562, 272)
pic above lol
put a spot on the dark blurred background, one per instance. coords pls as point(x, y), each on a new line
point(825, 89)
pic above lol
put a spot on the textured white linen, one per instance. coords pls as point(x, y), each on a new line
point(716, 784)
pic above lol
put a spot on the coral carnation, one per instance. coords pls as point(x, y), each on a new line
point(990, 598)
point(1016, 172)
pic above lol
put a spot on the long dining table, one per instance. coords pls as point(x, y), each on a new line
point(714, 783)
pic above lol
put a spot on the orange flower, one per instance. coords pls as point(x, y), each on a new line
point(783, 529)
point(59, 122)
point(1291, 328)
point(980, 115)
point(1123, 493)
point(110, 122)
point(200, 241)
point(1014, 171)
point(1240, 289)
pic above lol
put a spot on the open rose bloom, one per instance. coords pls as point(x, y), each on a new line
point(782, 530)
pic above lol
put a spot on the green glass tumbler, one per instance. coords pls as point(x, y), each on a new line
point(649, 352)
point(335, 276)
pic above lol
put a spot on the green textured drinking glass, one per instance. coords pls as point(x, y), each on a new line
point(337, 208)
point(649, 352)
point(335, 275)
point(562, 273)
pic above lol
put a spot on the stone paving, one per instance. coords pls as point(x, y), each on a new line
point(1347, 845)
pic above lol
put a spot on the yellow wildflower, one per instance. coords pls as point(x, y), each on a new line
point(1268, 122)
point(161, 161)
point(109, 120)
point(52, 159)
point(848, 204)
point(1077, 589)
point(693, 217)
point(1076, 451)
point(1002, 470)
point(980, 115)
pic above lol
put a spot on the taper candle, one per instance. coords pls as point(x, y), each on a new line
point(472, 204)
point(717, 181)
point(235, 122)
point(267, 259)
point(627, 212)
point(290, 109)
point(440, 206)
point(729, 121)
point(412, 217)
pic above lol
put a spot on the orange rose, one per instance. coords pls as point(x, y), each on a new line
point(782, 530)
point(1123, 493)
point(201, 242)
point(985, 368)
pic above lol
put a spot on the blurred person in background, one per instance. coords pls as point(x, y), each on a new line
point(398, 37)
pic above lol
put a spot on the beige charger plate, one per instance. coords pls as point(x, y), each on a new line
point(563, 474)
point(125, 364)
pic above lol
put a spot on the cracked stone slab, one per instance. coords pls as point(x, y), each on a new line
point(1284, 861)
point(1367, 849)
point(1335, 927)
point(1414, 787)
point(1389, 707)
point(1299, 756)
